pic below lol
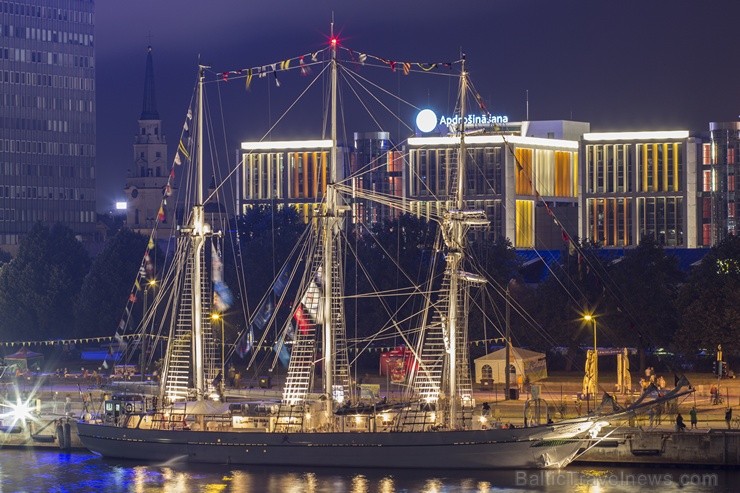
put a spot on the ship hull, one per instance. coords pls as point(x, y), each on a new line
point(544, 447)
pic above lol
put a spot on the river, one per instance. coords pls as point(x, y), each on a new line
point(31, 471)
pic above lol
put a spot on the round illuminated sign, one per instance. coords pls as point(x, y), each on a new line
point(426, 120)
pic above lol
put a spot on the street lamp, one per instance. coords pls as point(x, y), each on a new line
point(588, 318)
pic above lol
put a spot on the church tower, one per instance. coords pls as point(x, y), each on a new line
point(147, 179)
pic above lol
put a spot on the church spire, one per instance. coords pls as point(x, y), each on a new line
point(149, 110)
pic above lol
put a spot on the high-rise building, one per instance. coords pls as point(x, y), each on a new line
point(720, 168)
point(379, 170)
point(640, 184)
point(47, 123)
point(148, 177)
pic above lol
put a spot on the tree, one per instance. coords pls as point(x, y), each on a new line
point(391, 256)
point(642, 291)
point(709, 302)
point(39, 288)
point(106, 287)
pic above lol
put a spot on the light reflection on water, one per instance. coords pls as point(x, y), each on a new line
point(47, 471)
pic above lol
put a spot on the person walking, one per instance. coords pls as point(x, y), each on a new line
point(693, 418)
point(486, 409)
point(728, 417)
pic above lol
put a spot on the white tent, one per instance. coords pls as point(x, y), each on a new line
point(525, 363)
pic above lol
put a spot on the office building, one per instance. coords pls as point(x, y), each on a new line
point(720, 167)
point(640, 184)
point(287, 173)
point(47, 127)
point(523, 184)
point(378, 168)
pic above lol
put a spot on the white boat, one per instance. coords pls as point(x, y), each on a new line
point(435, 428)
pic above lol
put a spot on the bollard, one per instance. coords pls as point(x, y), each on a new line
point(67, 436)
point(60, 435)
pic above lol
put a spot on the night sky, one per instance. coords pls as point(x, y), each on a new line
point(620, 65)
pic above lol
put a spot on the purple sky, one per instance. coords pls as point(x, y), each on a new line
point(621, 65)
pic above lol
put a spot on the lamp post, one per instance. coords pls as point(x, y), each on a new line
point(588, 318)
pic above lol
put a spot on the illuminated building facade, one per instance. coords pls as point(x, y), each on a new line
point(638, 184)
point(720, 167)
point(286, 173)
point(47, 123)
point(511, 178)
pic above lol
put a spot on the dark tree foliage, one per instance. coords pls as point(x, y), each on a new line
point(572, 289)
point(265, 238)
point(394, 255)
point(641, 309)
point(106, 287)
point(497, 261)
point(40, 287)
point(709, 303)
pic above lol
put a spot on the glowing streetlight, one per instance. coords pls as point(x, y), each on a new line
point(588, 318)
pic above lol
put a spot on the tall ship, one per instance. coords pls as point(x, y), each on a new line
point(320, 419)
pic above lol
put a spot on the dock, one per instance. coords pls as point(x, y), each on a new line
point(711, 447)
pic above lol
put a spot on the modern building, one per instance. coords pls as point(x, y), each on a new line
point(287, 173)
point(379, 170)
point(47, 122)
point(527, 186)
point(640, 184)
point(720, 196)
point(146, 191)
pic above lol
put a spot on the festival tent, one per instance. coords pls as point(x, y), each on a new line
point(529, 365)
point(25, 359)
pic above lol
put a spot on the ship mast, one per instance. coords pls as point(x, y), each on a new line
point(456, 222)
point(197, 237)
point(330, 223)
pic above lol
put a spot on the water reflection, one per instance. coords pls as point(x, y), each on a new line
point(34, 471)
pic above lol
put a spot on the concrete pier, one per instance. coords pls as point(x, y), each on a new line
point(712, 447)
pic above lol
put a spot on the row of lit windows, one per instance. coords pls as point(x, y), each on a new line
point(53, 13)
point(85, 171)
point(610, 221)
point(712, 153)
point(546, 172)
point(34, 124)
point(430, 174)
point(609, 168)
point(47, 103)
point(305, 176)
point(43, 80)
point(53, 193)
point(659, 167)
point(52, 215)
point(48, 148)
point(46, 35)
point(46, 57)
